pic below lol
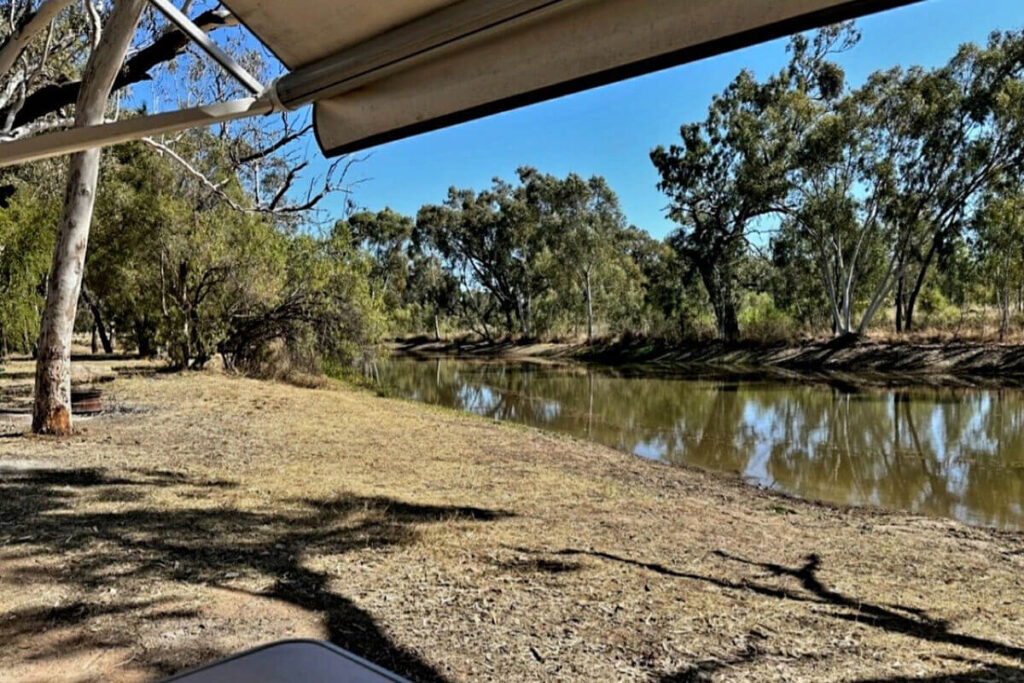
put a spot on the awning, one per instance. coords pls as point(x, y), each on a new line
point(379, 70)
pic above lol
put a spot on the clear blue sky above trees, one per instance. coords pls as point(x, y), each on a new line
point(610, 131)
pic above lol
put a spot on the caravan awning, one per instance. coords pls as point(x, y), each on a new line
point(378, 70)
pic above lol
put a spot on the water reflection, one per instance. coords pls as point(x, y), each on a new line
point(956, 453)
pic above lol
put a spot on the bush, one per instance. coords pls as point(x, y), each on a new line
point(324, 317)
point(937, 311)
point(760, 320)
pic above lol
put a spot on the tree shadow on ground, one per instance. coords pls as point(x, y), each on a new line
point(93, 529)
point(986, 673)
point(893, 618)
point(896, 619)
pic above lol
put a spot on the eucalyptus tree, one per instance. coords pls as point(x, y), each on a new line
point(493, 242)
point(836, 211)
point(61, 62)
point(836, 187)
point(432, 291)
point(932, 141)
point(468, 236)
point(725, 174)
point(963, 131)
point(884, 177)
point(386, 235)
point(999, 247)
point(589, 236)
point(47, 43)
point(51, 412)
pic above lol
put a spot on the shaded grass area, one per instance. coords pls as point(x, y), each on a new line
point(200, 546)
point(230, 513)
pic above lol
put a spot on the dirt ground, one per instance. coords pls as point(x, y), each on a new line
point(204, 514)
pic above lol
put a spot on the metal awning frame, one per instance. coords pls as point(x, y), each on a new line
point(203, 41)
point(332, 76)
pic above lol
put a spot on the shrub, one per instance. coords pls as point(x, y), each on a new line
point(761, 320)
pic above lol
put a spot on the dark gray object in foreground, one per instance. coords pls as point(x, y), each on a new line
point(308, 661)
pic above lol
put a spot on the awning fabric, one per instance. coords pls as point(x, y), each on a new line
point(379, 70)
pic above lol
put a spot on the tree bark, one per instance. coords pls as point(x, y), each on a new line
point(30, 25)
point(54, 97)
point(899, 304)
point(1003, 290)
point(911, 304)
point(590, 306)
point(51, 413)
point(720, 293)
point(99, 327)
point(143, 337)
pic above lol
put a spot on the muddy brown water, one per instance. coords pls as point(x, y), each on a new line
point(955, 453)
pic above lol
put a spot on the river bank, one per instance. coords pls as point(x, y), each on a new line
point(931, 362)
point(204, 514)
point(946, 451)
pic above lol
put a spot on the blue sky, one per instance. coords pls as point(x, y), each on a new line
point(610, 131)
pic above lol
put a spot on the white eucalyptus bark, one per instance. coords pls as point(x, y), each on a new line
point(590, 305)
point(22, 36)
point(51, 412)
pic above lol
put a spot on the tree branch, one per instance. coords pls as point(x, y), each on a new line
point(52, 98)
point(31, 24)
point(194, 172)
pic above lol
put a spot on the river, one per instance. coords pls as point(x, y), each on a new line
point(955, 453)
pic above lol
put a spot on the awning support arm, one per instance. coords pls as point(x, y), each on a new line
point(82, 138)
point(199, 37)
point(74, 140)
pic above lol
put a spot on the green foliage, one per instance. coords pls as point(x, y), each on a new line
point(174, 269)
point(761, 320)
point(26, 243)
point(546, 255)
point(729, 171)
point(863, 191)
point(937, 311)
point(999, 240)
point(323, 317)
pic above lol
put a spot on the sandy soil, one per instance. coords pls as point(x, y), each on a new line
point(206, 514)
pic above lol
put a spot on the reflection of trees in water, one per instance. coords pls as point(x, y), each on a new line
point(858, 449)
point(947, 452)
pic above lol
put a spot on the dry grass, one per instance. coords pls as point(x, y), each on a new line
point(208, 514)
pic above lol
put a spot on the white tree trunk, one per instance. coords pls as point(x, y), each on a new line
point(590, 305)
point(12, 48)
point(51, 412)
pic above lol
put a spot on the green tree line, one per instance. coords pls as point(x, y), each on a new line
point(804, 205)
point(174, 268)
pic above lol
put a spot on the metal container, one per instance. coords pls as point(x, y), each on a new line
point(86, 401)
